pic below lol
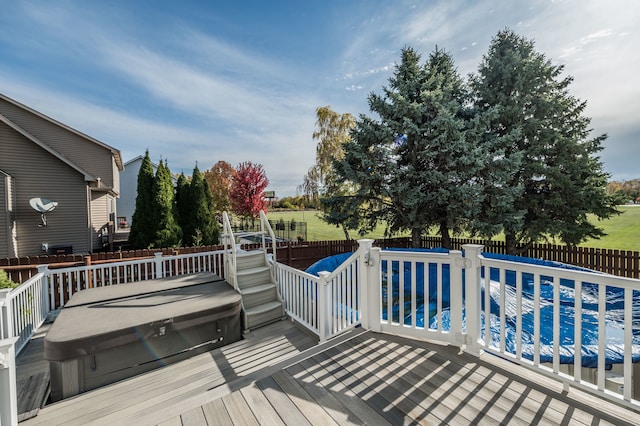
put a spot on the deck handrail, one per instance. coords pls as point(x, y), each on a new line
point(23, 309)
point(581, 284)
point(230, 251)
point(265, 227)
point(328, 304)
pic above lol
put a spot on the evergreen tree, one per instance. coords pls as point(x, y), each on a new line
point(201, 228)
point(167, 232)
point(142, 230)
point(414, 168)
point(183, 206)
point(538, 138)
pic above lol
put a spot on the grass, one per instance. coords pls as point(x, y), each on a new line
point(623, 231)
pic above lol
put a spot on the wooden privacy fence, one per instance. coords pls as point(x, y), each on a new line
point(300, 255)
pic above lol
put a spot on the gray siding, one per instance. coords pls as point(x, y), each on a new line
point(102, 204)
point(129, 188)
point(96, 159)
point(36, 173)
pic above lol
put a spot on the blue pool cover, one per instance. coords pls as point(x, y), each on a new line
point(614, 308)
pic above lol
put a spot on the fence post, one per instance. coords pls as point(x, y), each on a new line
point(159, 265)
point(8, 388)
point(364, 246)
point(324, 306)
point(472, 254)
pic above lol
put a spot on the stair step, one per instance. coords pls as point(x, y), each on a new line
point(256, 289)
point(250, 259)
point(265, 307)
point(258, 295)
point(263, 314)
point(253, 277)
point(250, 271)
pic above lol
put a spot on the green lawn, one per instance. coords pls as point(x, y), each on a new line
point(623, 230)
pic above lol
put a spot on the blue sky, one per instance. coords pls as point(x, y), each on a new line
point(240, 81)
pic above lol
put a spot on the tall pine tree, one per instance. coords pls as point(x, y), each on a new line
point(413, 168)
point(200, 228)
point(142, 230)
point(538, 136)
point(183, 206)
point(167, 232)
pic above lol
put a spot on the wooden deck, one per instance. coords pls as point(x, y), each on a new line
point(278, 375)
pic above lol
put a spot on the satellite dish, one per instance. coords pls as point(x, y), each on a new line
point(42, 205)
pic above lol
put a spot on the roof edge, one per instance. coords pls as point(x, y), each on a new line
point(115, 152)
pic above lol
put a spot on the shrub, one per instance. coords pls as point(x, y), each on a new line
point(5, 282)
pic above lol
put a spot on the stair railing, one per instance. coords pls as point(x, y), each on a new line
point(265, 227)
point(230, 250)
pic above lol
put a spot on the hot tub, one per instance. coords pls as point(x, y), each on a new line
point(106, 334)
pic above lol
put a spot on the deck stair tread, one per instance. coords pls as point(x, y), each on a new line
point(265, 307)
point(256, 289)
point(250, 271)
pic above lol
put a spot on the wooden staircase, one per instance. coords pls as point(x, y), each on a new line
point(252, 274)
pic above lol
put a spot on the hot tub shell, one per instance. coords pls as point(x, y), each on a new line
point(107, 334)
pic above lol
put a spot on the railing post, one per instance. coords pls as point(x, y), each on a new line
point(8, 389)
point(374, 294)
point(159, 265)
point(455, 299)
point(324, 306)
point(473, 254)
point(6, 317)
point(44, 290)
point(363, 280)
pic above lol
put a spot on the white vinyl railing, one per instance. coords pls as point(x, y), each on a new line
point(328, 304)
point(591, 317)
point(464, 314)
point(24, 309)
point(230, 251)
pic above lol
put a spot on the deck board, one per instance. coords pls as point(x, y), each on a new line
point(239, 410)
point(215, 413)
point(279, 375)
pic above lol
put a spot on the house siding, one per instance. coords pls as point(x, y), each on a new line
point(88, 155)
point(102, 205)
point(44, 176)
point(129, 188)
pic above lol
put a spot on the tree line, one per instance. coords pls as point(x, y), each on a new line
point(506, 150)
point(627, 190)
point(187, 212)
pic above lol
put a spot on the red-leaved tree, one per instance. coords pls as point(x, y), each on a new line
point(247, 190)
